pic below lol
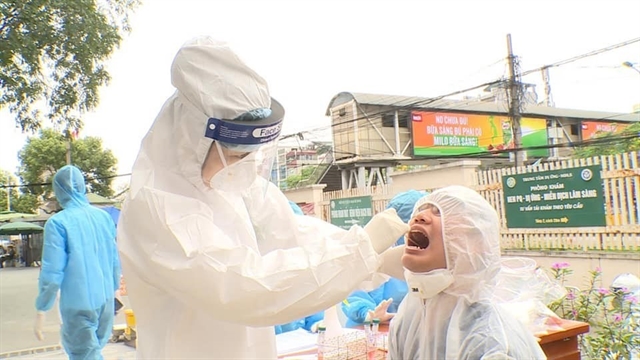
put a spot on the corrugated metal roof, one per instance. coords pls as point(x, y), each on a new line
point(96, 199)
point(415, 102)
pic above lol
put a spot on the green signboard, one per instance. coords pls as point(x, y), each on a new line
point(351, 211)
point(557, 198)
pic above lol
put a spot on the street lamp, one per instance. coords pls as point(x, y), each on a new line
point(630, 65)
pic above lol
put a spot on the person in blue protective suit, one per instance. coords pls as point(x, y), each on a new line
point(309, 323)
point(296, 209)
point(382, 303)
point(80, 259)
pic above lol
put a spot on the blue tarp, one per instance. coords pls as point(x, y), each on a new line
point(113, 211)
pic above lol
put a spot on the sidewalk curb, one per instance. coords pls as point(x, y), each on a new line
point(31, 351)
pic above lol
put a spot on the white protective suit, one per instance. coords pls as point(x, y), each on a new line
point(210, 272)
point(461, 322)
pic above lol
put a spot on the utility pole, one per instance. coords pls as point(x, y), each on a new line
point(68, 151)
point(8, 192)
point(70, 136)
point(514, 103)
point(547, 87)
point(548, 101)
point(278, 166)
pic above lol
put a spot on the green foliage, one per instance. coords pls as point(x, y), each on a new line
point(22, 203)
point(322, 149)
point(52, 54)
point(6, 179)
point(615, 146)
point(42, 156)
point(26, 203)
point(294, 180)
point(613, 316)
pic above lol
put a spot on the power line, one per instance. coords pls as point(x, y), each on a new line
point(623, 135)
point(431, 100)
point(50, 183)
point(484, 138)
point(590, 142)
point(326, 127)
point(460, 108)
point(582, 56)
point(618, 137)
point(416, 104)
point(422, 103)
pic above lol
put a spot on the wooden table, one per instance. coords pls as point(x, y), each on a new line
point(563, 344)
point(556, 344)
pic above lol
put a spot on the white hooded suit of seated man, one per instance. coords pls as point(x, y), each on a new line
point(452, 258)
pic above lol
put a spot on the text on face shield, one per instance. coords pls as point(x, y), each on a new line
point(267, 131)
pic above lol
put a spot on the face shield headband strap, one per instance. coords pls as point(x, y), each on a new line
point(242, 132)
point(224, 161)
point(247, 132)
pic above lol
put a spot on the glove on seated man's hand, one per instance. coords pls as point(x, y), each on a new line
point(380, 312)
point(392, 262)
point(384, 229)
point(315, 326)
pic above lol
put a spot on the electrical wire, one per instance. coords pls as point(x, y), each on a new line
point(582, 56)
point(427, 101)
point(623, 135)
point(326, 127)
point(49, 183)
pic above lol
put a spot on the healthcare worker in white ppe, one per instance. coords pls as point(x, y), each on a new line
point(212, 253)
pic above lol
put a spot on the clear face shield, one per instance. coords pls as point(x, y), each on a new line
point(243, 153)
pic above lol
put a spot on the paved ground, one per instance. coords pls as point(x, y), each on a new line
point(18, 291)
point(110, 352)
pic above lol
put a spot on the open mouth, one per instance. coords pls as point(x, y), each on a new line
point(418, 239)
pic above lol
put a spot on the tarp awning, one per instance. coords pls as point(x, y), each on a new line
point(9, 215)
point(20, 227)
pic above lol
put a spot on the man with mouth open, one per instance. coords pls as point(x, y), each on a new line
point(451, 260)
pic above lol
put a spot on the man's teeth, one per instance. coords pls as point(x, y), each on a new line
point(415, 247)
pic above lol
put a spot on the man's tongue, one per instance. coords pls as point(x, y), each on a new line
point(418, 239)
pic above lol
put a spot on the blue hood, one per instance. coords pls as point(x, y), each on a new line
point(69, 187)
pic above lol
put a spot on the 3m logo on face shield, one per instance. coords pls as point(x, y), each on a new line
point(267, 132)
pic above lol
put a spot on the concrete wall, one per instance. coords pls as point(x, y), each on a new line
point(311, 194)
point(463, 173)
point(457, 173)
